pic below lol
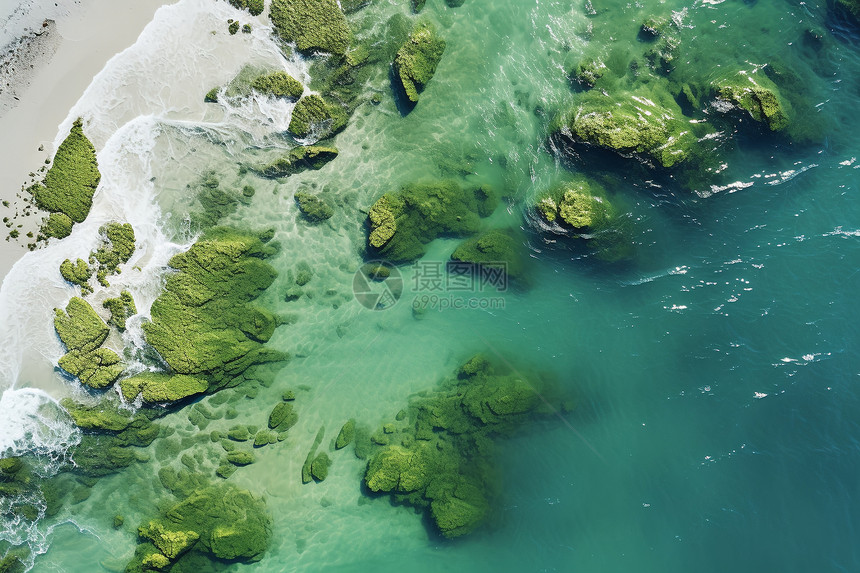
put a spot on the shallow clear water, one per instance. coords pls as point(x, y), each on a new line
point(715, 374)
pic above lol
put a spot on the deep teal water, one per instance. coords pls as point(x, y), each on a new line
point(715, 374)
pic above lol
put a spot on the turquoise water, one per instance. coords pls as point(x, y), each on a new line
point(714, 373)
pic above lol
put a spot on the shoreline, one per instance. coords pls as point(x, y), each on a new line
point(52, 76)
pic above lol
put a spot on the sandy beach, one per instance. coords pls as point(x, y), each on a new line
point(63, 64)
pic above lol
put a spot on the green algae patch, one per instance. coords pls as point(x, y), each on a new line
point(82, 331)
point(417, 59)
point(497, 249)
point(78, 273)
point(121, 308)
point(320, 466)
point(314, 116)
point(57, 225)
point(631, 125)
point(117, 248)
point(402, 223)
point(278, 84)
point(202, 324)
point(162, 388)
point(312, 207)
point(442, 464)
point(72, 179)
point(215, 523)
point(255, 7)
point(758, 96)
point(300, 159)
point(313, 25)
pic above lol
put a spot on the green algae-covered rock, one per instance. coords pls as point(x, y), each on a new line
point(116, 249)
point(72, 179)
point(581, 209)
point(255, 7)
point(313, 115)
point(212, 523)
point(346, 435)
point(312, 207)
point(497, 248)
point(202, 324)
point(300, 159)
point(756, 95)
point(79, 327)
point(630, 125)
point(120, 309)
point(83, 332)
point(443, 461)
point(278, 84)
point(171, 543)
point(402, 223)
point(313, 25)
point(239, 434)
point(78, 273)
point(162, 388)
point(57, 225)
point(102, 416)
point(587, 73)
point(320, 466)
point(416, 61)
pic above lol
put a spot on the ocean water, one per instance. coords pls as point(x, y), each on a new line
point(715, 373)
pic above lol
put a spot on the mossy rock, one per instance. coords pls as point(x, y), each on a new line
point(402, 223)
point(312, 207)
point(72, 179)
point(229, 525)
point(300, 159)
point(417, 59)
point(278, 84)
point(588, 73)
point(162, 388)
point(117, 247)
point(239, 434)
point(255, 7)
point(633, 126)
point(756, 95)
point(314, 116)
point(57, 225)
point(82, 331)
point(313, 25)
point(78, 273)
point(495, 252)
point(103, 416)
point(202, 324)
point(120, 309)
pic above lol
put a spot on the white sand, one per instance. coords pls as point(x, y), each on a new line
point(86, 38)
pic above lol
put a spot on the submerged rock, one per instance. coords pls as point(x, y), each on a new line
point(416, 61)
point(313, 208)
point(497, 249)
point(300, 159)
point(442, 464)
